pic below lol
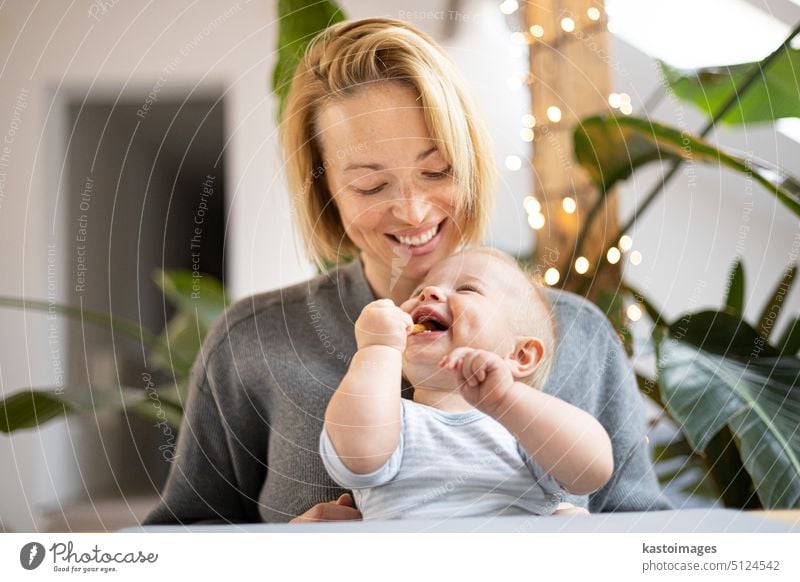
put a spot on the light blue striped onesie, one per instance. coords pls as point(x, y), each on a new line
point(448, 464)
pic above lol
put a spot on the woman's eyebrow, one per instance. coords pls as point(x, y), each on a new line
point(377, 167)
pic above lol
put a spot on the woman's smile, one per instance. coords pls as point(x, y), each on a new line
point(418, 241)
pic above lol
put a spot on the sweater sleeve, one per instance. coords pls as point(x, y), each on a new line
point(620, 409)
point(219, 465)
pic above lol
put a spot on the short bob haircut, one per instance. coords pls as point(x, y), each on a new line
point(347, 57)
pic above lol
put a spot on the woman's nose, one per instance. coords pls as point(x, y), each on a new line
point(431, 293)
point(413, 207)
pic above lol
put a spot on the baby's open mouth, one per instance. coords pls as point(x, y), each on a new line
point(427, 323)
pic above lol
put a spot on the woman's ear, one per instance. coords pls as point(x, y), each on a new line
point(527, 355)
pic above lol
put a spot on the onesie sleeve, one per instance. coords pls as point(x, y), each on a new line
point(346, 478)
point(547, 482)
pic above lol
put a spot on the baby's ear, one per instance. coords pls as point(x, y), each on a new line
point(527, 355)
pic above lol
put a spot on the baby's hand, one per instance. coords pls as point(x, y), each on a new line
point(382, 323)
point(485, 378)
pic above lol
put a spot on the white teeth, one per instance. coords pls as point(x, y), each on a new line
point(418, 240)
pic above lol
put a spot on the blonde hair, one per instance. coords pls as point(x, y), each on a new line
point(349, 56)
point(536, 316)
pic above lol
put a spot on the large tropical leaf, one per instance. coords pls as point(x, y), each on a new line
point(611, 148)
point(757, 398)
point(299, 21)
point(774, 94)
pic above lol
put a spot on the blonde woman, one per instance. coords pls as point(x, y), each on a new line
point(389, 163)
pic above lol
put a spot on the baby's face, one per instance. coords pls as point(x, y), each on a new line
point(470, 297)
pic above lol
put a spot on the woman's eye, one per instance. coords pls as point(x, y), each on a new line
point(374, 190)
point(441, 174)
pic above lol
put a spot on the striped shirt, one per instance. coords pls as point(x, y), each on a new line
point(448, 464)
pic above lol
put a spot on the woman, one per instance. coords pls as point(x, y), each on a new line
point(387, 162)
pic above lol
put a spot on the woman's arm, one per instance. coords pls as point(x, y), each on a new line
point(363, 415)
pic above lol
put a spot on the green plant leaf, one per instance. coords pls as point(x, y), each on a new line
point(178, 345)
point(33, 407)
point(734, 296)
point(725, 468)
point(118, 324)
point(299, 21)
point(758, 399)
point(611, 148)
point(199, 294)
point(773, 307)
point(772, 96)
point(721, 333)
point(790, 342)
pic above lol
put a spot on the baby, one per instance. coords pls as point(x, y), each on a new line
point(476, 340)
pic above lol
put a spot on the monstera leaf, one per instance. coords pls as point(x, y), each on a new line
point(712, 382)
point(299, 21)
point(611, 148)
point(773, 94)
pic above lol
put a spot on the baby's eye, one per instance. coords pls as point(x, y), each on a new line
point(469, 288)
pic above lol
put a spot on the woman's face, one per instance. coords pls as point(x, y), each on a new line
point(394, 191)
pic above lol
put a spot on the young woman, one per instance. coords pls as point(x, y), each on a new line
point(389, 163)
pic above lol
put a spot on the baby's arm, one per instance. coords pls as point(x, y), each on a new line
point(565, 441)
point(363, 416)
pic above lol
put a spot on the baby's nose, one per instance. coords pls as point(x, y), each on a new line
point(431, 293)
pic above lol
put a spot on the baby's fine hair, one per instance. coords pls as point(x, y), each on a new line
point(535, 315)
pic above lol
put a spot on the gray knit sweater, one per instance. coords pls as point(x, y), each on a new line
point(248, 447)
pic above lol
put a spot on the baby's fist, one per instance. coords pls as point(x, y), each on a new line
point(382, 323)
point(483, 376)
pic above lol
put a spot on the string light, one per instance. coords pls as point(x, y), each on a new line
point(528, 120)
point(634, 312)
point(509, 7)
point(593, 13)
point(612, 28)
point(569, 205)
point(625, 243)
point(626, 109)
point(614, 100)
point(526, 134)
point(636, 257)
point(513, 163)
point(613, 255)
point(567, 24)
point(537, 31)
point(554, 114)
point(531, 205)
point(536, 221)
point(551, 276)
point(518, 38)
point(581, 265)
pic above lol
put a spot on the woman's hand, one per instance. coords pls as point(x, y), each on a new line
point(342, 509)
point(484, 377)
point(382, 323)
